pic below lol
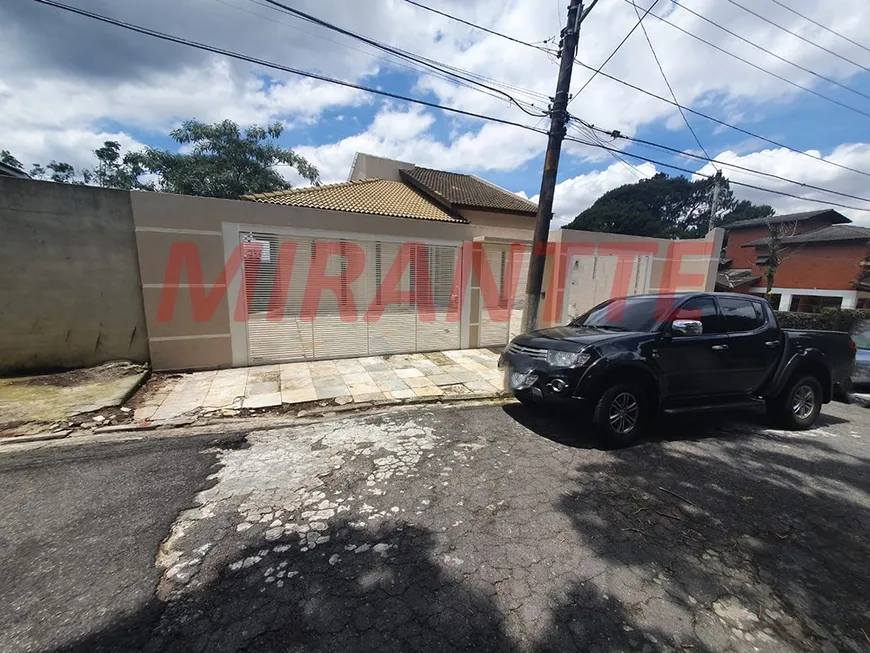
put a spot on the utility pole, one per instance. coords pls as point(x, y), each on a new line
point(558, 120)
point(714, 204)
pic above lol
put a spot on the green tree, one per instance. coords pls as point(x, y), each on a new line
point(746, 210)
point(6, 158)
point(223, 161)
point(57, 171)
point(665, 207)
point(116, 171)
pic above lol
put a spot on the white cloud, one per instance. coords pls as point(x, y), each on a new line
point(800, 168)
point(578, 193)
point(66, 78)
point(402, 135)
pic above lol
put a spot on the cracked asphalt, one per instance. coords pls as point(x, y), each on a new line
point(490, 528)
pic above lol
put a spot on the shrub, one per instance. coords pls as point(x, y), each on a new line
point(829, 319)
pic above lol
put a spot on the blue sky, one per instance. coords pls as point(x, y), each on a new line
point(72, 83)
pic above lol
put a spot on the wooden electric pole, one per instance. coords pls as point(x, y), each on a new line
point(558, 120)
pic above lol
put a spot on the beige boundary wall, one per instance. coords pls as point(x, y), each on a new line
point(672, 266)
point(213, 228)
point(84, 271)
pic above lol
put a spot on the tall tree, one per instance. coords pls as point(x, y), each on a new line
point(776, 249)
point(223, 161)
point(116, 171)
point(746, 210)
point(7, 159)
point(665, 207)
point(57, 171)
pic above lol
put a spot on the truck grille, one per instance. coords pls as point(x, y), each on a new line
point(531, 352)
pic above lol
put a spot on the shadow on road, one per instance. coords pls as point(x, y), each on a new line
point(773, 535)
point(400, 594)
point(574, 428)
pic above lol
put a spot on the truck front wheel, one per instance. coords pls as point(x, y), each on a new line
point(621, 414)
point(799, 405)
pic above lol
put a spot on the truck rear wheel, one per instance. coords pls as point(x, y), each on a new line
point(621, 415)
point(799, 405)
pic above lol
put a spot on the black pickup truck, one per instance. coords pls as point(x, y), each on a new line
point(631, 359)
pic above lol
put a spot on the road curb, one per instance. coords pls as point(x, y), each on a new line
point(40, 437)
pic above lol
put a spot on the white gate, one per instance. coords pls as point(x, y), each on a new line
point(592, 279)
point(505, 264)
point(280, 327)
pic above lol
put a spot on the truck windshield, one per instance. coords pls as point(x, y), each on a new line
point(626, 314)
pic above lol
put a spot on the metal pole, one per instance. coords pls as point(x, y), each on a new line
point(558, 119)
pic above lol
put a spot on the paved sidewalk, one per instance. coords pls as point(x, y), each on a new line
point(358, 380)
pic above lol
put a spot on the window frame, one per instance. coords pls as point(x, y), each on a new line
point(755, 309)
point(719, 331)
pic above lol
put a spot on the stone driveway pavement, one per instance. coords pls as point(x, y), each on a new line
point(358, 380)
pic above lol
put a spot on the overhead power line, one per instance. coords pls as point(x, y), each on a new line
point(771, 53)
point(730, 181)
point(480, 27)
point(400, 53)
point(615, 50)
point(418, 68)
point(599, 71)
point(584, 130)
point(268, 64)
point(760, 68)
point(799, 36)
point(275, 66)
point(640, 141)
point(827, 29)
point(668, 83)
point(725, 124)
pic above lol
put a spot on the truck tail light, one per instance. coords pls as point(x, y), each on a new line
point(853, 347)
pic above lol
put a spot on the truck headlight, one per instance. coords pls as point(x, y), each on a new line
point(567, 358)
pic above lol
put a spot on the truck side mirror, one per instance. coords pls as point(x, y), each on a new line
point(687, 328)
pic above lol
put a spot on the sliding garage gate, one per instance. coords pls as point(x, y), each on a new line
point(278, 272)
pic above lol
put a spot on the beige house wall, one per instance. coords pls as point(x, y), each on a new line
point(367, 166)
point(212, 227)
point(504, 225)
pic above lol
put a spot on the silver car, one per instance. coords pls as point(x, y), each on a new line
point(861, 375)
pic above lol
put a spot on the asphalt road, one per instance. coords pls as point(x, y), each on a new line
point(79, 528)
point(488, 528)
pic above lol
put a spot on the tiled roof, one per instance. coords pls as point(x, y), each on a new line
point(374, 196)
point(835, 218)
point(467, 191)
point(834, 233)
point(730, 279)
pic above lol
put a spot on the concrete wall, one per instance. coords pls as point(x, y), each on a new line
point(70, 293)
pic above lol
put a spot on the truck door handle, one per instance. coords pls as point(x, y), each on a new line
point(772, 344)
point(719, 347)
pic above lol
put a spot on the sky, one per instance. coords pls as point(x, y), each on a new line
point(69, 83)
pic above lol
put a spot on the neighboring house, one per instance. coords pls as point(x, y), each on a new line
point(823, 266)
point(9, 171)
